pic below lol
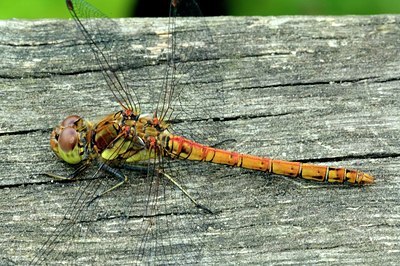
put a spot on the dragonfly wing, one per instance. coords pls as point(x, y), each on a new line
point(104, 44)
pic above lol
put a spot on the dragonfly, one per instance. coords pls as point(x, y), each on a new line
point(149, 145)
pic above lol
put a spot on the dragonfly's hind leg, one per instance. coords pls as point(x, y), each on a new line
point(115, 172)
point(198, 205)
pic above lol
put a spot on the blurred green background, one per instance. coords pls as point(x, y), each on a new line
point(126, 8)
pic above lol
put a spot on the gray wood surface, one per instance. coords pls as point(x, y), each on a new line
point(318, 89)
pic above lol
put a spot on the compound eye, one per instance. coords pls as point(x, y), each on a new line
point(70, 120)
point(68, 139)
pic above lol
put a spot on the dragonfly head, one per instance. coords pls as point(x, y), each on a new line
point(68, 139)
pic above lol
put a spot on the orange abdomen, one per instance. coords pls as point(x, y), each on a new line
point(179, 147)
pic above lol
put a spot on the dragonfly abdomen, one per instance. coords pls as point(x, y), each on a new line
point(182, 148)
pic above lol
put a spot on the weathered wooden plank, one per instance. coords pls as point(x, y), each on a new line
point(320, 89)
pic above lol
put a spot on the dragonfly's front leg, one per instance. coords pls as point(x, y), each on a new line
point(71, 177)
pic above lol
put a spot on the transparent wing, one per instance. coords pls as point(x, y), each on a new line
point(90, 22)
point(193, 85)
point(190, 95)
point(149, 219)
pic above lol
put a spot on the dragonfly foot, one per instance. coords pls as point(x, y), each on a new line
point(59, 177)
point(204, 208)
point(93, 199)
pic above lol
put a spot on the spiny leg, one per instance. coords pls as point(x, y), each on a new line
point(72, 176)
point(198, 205)
point(115, 172)
point(123, 178)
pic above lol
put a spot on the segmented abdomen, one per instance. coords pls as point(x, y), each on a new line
point(179, 147)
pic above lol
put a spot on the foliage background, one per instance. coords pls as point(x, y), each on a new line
point(126, 8)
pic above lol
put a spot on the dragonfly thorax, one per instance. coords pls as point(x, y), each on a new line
point(127, 137)
point(118, 137)
point(150, 126)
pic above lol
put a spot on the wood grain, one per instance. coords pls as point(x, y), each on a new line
point(315, 89)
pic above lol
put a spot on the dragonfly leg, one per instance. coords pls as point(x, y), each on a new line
point(71, 177)
point(115, 172)
point(137, 168)
point(198, 205)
